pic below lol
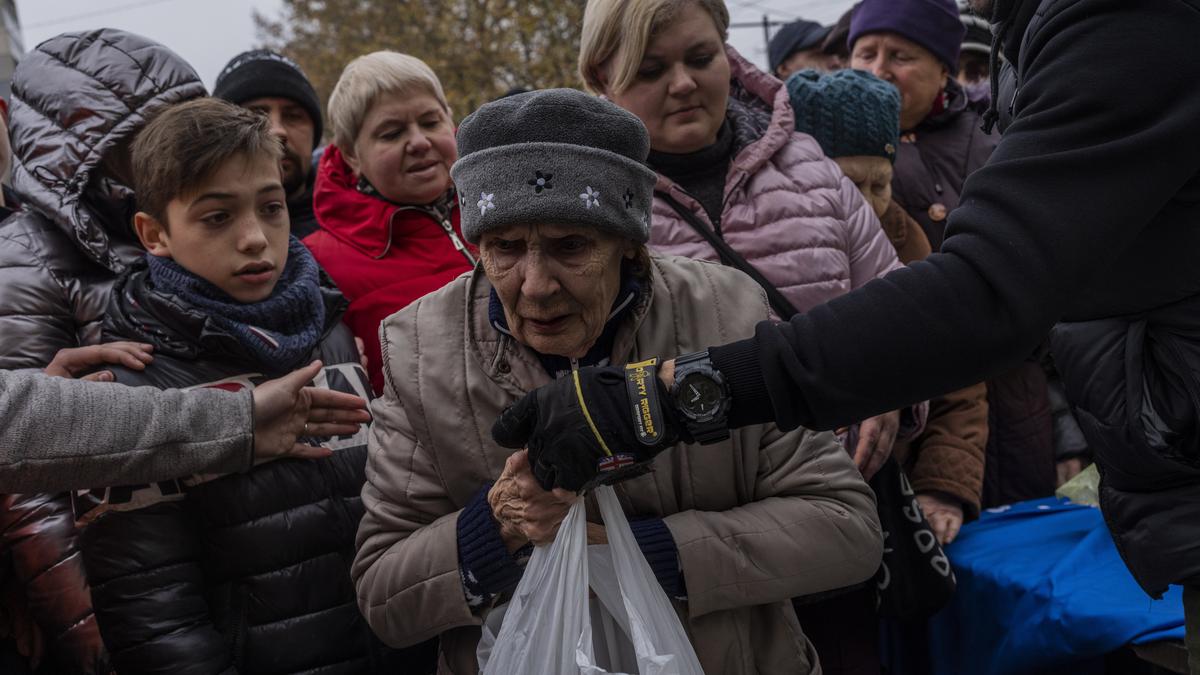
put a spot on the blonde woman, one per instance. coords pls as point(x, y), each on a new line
point(723, 144)
point(383, 196)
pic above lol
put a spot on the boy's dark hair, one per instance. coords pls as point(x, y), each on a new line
point(185, 144)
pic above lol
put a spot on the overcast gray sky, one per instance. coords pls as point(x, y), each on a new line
point(208, 32)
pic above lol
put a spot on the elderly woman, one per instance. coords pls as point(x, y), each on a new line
point(383, 196)
point(729, 160)
point(945, 461)
point(915, 44)
point(557, 197)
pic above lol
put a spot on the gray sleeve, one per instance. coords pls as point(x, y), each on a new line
point(60, 434)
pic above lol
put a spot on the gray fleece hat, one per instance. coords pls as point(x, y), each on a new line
point(555, 156)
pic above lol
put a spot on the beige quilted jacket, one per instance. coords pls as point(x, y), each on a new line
point(759, 519)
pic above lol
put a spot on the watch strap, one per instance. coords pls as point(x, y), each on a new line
point(641, 385)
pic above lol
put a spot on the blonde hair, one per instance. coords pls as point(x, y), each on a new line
point(618, 31)
point(368, 77)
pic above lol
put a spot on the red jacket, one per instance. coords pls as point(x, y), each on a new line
point(380, 255)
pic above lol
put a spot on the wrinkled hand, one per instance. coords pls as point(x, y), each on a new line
point(564, 451)
point(70, 362)
point(1068, 469)
point(876, 436)
point(525, 511)
point(944, 513)
point(286, 409)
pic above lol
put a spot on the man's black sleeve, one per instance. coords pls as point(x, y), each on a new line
point(1104, 142)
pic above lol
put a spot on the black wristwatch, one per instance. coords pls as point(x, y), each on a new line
point(701, 398)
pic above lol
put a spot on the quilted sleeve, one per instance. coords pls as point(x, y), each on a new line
point(36, 320)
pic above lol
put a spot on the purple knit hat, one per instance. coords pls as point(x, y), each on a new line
point(933, 24)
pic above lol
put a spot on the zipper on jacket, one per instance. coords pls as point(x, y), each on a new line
point(391, 224)
point(733, 188)
point(445, 224)
point(716, 226)
point(454, 239)
point(238, 629)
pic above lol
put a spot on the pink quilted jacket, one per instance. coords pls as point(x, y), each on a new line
point(789, 210)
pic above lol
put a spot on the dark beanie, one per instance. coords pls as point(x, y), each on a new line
point(258, 73)
point(836, 41)
point(794, 37)
point(979, 33)
point(933, 24)
point(850, 113)
point(554, 156)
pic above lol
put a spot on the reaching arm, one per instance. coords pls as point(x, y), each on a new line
point(950, 452)
point(59, 434)
point(1070, 189)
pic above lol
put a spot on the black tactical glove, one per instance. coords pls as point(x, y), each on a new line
point(596, 426)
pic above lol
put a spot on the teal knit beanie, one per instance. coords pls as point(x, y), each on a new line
point(849, 112)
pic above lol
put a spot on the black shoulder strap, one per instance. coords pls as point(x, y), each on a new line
point(732, 258)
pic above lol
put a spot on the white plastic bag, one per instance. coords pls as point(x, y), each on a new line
point(547, 628)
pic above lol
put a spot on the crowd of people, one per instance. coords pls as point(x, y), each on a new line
point(444, 266)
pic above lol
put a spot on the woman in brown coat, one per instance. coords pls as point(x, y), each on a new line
point(559, 202)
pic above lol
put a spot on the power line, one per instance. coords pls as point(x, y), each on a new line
point(785, 15)
point(762, 7)
point(94, 13)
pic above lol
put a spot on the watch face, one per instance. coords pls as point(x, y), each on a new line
point(699, 394)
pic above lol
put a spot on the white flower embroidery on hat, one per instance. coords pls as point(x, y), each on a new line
point(591, 197)
point(485, 202)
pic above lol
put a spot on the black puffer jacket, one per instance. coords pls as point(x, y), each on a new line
point(43, 567)
point(932, 164)
point(75, 98)
point(239, 573)
point(1133, 380)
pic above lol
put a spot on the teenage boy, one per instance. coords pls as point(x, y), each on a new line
point(243, 572)
point(274, 85)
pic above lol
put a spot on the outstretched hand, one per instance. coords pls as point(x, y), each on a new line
point(876, 437)
point(944, 514)
point(285, 409)
point(75, 360)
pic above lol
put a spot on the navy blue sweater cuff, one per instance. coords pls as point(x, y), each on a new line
point(486, 566)
point(738, 364)
point(658, 546)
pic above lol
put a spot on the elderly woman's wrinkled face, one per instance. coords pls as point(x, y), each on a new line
point(914, 70)
point(873, 176)
point(682, 83)
point(557, 283)
point(405, 148)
